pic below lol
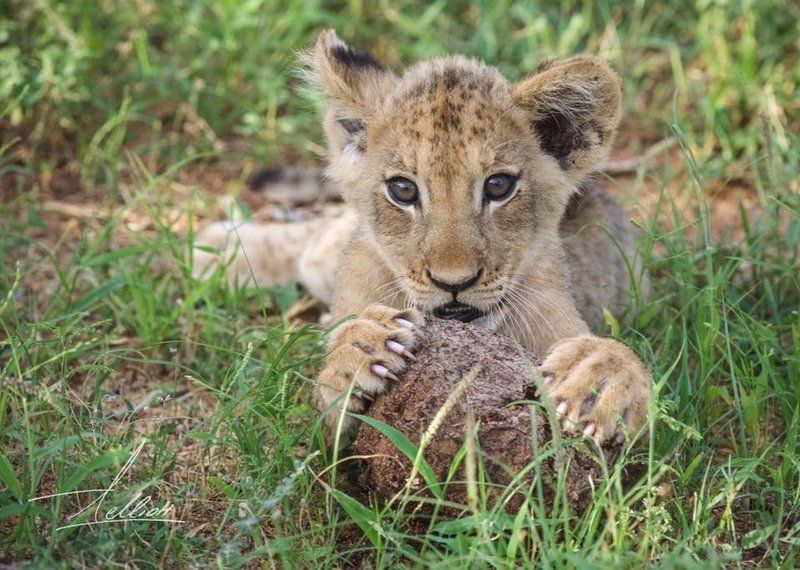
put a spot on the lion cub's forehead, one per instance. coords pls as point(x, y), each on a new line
point(451, 111)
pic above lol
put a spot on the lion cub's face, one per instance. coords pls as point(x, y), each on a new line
point(459, 177)
point(455, 190)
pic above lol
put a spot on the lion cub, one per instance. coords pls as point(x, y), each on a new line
point(468, 198)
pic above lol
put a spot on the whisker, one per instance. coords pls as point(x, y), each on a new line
point(532, 311)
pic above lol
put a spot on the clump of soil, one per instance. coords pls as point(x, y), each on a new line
point(512, 430)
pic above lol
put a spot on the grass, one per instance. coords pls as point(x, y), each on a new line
point(123, 123)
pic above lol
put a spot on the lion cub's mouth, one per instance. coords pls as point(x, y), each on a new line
point(458, 312)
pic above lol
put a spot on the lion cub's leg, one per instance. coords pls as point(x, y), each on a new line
point(277, 254)
point(598, 240)
point(253, 254)
point(599, 387)
point(365, 354)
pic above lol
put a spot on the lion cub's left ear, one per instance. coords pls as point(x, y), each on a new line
point(356, 85)
point(574, 106)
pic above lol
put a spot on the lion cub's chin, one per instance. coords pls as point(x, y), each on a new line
point(490, 322)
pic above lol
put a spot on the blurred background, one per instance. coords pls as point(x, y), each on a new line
point(87, 85)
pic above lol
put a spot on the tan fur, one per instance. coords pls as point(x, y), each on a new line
point(448, 124)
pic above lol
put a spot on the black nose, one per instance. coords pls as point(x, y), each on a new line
point(455, 287)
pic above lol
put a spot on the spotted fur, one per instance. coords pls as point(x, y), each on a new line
point(447, 124)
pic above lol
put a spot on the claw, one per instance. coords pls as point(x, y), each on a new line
point(382, 372)
point(405, 323)
point(590, 429)
point(358, 392)
point(398, 348)
point(562, 408)
point(547, 377)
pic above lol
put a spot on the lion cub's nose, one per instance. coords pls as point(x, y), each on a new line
point(454, 285)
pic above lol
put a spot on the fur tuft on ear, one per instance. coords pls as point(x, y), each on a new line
point(351, 77)
point(356, 85)
point(574, 108)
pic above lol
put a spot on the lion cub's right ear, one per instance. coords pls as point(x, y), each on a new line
point(574, 107)
point(356, 85)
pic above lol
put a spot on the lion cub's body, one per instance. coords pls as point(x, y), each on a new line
point(539, 262)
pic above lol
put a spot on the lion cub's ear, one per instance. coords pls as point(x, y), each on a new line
point(574, 106)
point(356, 85)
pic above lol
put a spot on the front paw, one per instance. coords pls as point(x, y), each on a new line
point(366, 354)
point(599, 387)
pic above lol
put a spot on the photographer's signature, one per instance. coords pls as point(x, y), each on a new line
point(139, 508)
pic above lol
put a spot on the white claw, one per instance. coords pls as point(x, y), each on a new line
point(562, 408)
point(546, 378)
point(398, 348)
point(590, 429)
point(405, 323)
point(620, 438)
point(381, 371)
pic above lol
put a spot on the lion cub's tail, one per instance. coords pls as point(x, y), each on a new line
point(293, 186)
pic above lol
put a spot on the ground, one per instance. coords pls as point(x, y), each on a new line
point(126, 126)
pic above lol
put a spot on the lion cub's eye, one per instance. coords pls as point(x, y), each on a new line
point(402, 191)
point(499, 186)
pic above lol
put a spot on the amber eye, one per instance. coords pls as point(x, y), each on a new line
point(402, 191)
point(499, 186)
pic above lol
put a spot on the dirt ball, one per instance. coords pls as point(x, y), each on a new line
point(512, 429)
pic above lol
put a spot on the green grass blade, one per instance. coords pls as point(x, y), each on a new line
point(407, 448)
point(9, 478)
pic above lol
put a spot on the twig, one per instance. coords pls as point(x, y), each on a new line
point(628, 165)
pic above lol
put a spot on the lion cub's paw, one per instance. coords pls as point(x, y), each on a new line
point(599, 387)
point(367, 353)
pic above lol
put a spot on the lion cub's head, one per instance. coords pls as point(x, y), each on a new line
point(460, 178)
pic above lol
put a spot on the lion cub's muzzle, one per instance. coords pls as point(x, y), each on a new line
point(455, 288)
point(455, 310)
point(458, 312)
